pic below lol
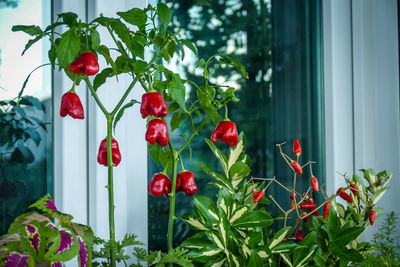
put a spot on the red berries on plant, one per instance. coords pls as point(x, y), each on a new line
point(296, 167)
point(326, 209)
point(157, 131)
point(344, 195)
point(185, 183)
point(71, 105)
point(160, 183)
point(86, 64)
point(153, 104)
point(227, 132)
point(371, 217)
point(353, 188)
point(102, 155)
point(257, 195)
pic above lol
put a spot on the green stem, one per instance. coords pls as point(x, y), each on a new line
point(172, 198)
point(193, 134)
point(226, 112)
point(110, 190)
point(94, 94)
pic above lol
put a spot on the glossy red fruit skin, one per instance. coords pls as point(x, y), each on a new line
point(371, 217)
point(159, 184)
point(71, 105)
point(306, 206)
point(157, 131)
point(86, 64)
point(227, 132)
point(102, 155)
point(257, 195)
point(353, 188)
point(293, 195)
point(299, 235)
point(305, 218)
point(314, 184)
point(153, 104)
point(185, 183)
point(344, 195)
point(296, 167)
point(326, 209)
point(296, 147)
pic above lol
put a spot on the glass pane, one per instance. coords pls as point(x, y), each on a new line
point(25, 129)
point(279, 44)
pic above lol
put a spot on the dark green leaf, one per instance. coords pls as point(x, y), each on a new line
point(31, 29)
point(253, 219)
point(104, 21)
point(164, 14)
point(138, 50)
point(206, 207)
point(255, 260)
point(31, 42)
point(68, 49)
point(22, 154)
point(173, 107)
point(101, 77)
point(190, 45)
point(103, 50)
point(154, 151)
point(32, 101)
point(95, 38)
point(343, 237)
point(139, 66)
point(238, 172)
point(68, 18)
point(236, 64)
point(220, 156)
point(135, 16)
point(122, 110)
point(122, 31)
point(177, 90)
point(177, 119)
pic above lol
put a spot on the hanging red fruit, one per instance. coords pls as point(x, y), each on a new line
point(185, 183)
point(353, 188)
point(71, 105)
point(314, 184)
point(326, 209)
point(227, 132)
point(344, 195)
point(86, 64)
point(296, 147)
point(371, 216)
point(160, 183)
point(153, 104)
point(102, 155)
point(296, 167)
point(157, 131)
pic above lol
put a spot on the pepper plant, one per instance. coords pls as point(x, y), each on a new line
point(137, 32)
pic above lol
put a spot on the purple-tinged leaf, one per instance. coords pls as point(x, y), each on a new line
point(35, 242)
point(50, 205)
point(57, 264)
point(15, 259)
point(65, 242)
point(46, 204)
point(31, 229)
point(83, 253)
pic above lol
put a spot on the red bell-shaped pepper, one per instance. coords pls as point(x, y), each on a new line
point(327, 206)
point(71, 105)
point(314, 184)
point(227, 132)
point(296, 167)
point(102, 155)
point(160, 183)
point(371, 216)
point(157, 131)
point(153, 104)
point(344, 195)
point(86, 64)
point(296, 147)
point(185, 183)
point(257, 195)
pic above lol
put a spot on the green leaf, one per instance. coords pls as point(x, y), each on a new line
point(32, 101)
point(164, 14)
point(379, 194)
point(122, 110)
point(238, 213)
point(279, 237)
point(238, 172)
point(29, 29)
point(135, 16)
point(344, 237)
point(196, 242)
point(206, 207)
point(22, 154)
point(177, 119)
point(319, 260)
point(220, 156)
point(94, 35)
point(235, 152)
point(348, 255)
point(68, 18)
point(122, 31)
point(229, 95)
point(284, 247)
point(253, 219)
point(68, 49)
point(193, 222)
point(190, 45)
point(304, 252)
point(154, 151)
point(103, 50)
point(101, 77)
point(177, 90)
point(139, 66)
point(236, 64)
point(219, 176)
point(255, 260)
point(31, 42)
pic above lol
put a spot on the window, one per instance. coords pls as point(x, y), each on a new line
point(279, 43)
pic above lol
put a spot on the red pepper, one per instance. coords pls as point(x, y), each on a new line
point(299, 235)
point(344, 195)
point(314, 184)
point(153, 104)
point(353, 188)
point(86, 64)
point(306, 196)
point(306, 206)
point(71, 105)
point(296, 167)
point(305, 218)
point(310, 200)
point(227, 132)
point(327, 206)
point(315, 213)
point(157, 131)
point(293, 196)
point(160, 183)
point(371, 216)
point(296, 147)
point(102, 155)
point(258, 195)
point(185, 183)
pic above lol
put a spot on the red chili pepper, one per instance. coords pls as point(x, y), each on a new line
point(353, 188)
point(71, 105)
point(102, 155)
point(157, 131)
point(160, 183)
point(296, 147)
point(315, 212)
point(310, 200)
point(296, 167)
point(306, 196)
point(344, 195)
point(185, 183)
point(293, 196)
point(371, 216)
point(258, 195)
point(306, 206)
point(227, 132)
point(305, 218)
point(326, 209)
point(153, 104)
point(314, 184)
point(299, 235)
point(86, 64)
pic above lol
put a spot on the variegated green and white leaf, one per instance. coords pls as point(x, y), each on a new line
point(246, 250)
point(286, 259)
point(219, 155)
point(237, 214)
point(278, 237)
point(263, 254)
point(235, 152)
point(219, 264)
point(379, 194)
point(307, 258)
point(216, 240)
point(284, 248)
point(223, 228)
point(238, 172)
point(220, 177)
point(196, 224)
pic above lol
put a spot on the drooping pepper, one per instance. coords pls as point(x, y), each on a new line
point(185, 183)
point(296, 167)
point(299, 235)
point(306, 206)
point(305, 218)
point(296, 147)
point(314, 183)
point(227, 132)
point(102, 155)
point(157, 131)
point(160, 183)
point(257, 195)
point(153, 104)
point(371, 217)
point(86, 64)
point(293, 195)
point(71, 105)
point(327, 206)
point(344, 195)
point(353, 188)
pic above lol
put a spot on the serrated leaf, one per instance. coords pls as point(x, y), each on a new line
point(122, 110)
point(68, 48)
point(164, 14)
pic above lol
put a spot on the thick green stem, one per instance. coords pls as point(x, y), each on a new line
point(110, 190)
point(193, 134)
point(172, 198)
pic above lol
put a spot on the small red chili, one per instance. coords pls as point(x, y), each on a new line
point(296, 147)
point(314, 184)
point(344, 195)
point(296, 167)
point(258, 195)
point(326, 209)
point(371, 216)
point(310, 206)
point(71, 105)
point(305, 218)
point(299, 235)
point(353, 188)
